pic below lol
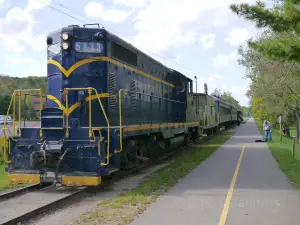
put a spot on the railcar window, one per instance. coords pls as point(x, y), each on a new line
point(123, 54)
point(53, 50)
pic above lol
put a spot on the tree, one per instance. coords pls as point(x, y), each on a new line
point(217, 92)
point(246, 111)
point(284, 21)
point(4, 103)
point(275, 85)
point(9, 84)
point(279, 48)
point(227, 96)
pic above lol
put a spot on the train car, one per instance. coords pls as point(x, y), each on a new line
point(207, 114)
point(224, 111)
point(234, 114)
point(109, 107)
point(228, 114)
point(240, 116)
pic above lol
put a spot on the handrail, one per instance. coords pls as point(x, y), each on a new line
point(4, 130)
point(41, 108)
point(13, 103)
point(5, 157)
point(67, 115)
point(120, 115)
point(14, 114)
point(90, 128)
point(99, 146)
point(90, 112)
point(20, 95)
point(108, 130)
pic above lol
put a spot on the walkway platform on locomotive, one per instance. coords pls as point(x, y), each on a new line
point(239, 184)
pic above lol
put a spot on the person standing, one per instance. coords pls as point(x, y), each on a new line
point(267, 126)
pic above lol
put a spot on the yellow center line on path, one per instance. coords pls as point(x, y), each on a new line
point(225, 210)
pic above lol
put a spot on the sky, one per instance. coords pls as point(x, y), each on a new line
point(196, 37)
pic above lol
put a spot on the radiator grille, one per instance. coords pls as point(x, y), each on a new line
point(112, 91)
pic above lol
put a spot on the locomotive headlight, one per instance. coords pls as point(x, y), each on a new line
point(65, 36)
point(65, 45)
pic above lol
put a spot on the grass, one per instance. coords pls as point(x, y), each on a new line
point(4, 184)
point(3, 179)
point(1, 151)
point(124, 208)
point(293, 132)
point(282, 152)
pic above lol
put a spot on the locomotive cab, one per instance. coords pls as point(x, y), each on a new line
point(74, 61)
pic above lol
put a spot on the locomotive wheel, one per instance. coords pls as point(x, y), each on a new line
point(190, 138)
point(142, 147)
point(155, 147)
point(129, 155)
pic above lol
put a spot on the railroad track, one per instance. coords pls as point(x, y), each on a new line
point(28, 203)
point(19, 191)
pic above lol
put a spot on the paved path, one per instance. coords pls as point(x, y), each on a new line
point(240, 184)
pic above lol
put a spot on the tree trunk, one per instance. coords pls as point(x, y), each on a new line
point(298, 125)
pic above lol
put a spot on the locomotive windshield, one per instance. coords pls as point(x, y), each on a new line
point(53, 50)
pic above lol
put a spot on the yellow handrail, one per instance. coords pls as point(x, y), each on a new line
point(4, 130)
point(108, 130)
point(104, 113)
point(5, 158)
point(90, 112)
point(67, 115)
point(120, 115)
point(13, 103)
point(14, 114)
point(41, 108)
point(19, 94)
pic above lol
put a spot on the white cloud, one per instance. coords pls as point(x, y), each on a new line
point(161, 25)
point(4, 4)
point(177, 58)
point(131, 3)
point(38, 42)
point(239, 93)
point(36, 5)
point(19, 49)
point(36, 70)
point(13, 59)
point(237, 36)
point(208, 41)
point(223, 60)
point(16, 29)
point(213, 78)
point(96, 10)
point(221, 17)
point(209, 80)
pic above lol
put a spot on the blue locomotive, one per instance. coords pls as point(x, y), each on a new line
point(109, 107)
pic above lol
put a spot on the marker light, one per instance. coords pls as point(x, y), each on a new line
point(65, 36)
point(65, 46)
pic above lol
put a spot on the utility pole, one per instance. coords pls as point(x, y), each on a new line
point(196, 83)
